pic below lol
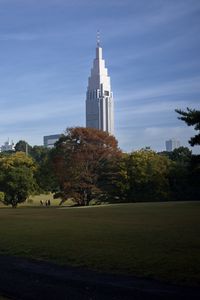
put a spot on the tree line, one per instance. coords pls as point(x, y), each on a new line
point(87, 165)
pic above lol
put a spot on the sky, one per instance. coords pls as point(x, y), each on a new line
point(151, 50)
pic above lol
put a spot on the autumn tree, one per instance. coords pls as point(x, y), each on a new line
point(16, 178)
point(79, 158)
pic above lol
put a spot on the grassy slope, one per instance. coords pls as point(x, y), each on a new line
point(160, 240)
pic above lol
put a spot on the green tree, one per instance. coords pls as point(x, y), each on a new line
point(79, 158)
point(182, 155)
point(2, 196)
point(192, 118)
point(148, 176)
point(113, 178)
point(44, 175)
point(16, 178)
point(39, 153)
point(179, 175)
point(194, 177)
point(46, 180)
point(23, 146)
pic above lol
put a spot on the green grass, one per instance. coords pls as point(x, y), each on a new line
point(35, 201)
point(157, 240)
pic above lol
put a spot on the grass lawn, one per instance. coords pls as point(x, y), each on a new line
point(157, 240)
point(35, 201)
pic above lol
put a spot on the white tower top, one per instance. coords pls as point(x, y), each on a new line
point(98, 38)
point(99, 98)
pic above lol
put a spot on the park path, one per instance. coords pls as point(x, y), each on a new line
point(26, 279)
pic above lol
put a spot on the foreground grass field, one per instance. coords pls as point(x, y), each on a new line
point(157, 240)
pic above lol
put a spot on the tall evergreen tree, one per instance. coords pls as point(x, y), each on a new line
point(192, 118)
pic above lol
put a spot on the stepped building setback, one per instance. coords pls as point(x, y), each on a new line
point(99, 97)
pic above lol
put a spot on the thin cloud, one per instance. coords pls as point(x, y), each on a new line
point(155, 18)
point(19, 37)
point(152, 108)
point(175, 87)
point(39, 112)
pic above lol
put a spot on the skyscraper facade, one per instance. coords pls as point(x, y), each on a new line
point(99, 97)
point(50, 140)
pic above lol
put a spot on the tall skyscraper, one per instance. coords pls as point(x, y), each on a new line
point(99, 97)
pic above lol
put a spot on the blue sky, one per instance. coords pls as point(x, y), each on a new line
point(151, 49)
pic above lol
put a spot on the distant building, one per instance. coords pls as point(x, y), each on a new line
point(49, 140)
point(172, 144)
point(8, 146)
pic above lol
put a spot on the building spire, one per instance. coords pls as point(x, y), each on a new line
point(99, 97)
point(98, 38)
